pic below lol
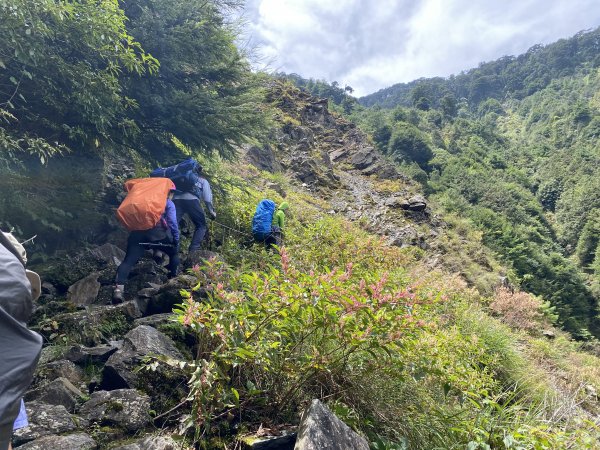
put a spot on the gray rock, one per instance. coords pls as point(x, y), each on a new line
point(97, 324)
point(123, 408)
point(109, 253)
point(263, 158)
point(57, 392)
point(44, 420)
point(85, 291)
point(79, 441)
point(339, 154)
point(152, 443)
point(138, 343)
point(284, 442)
point(61, 368)
point(364, 158)
point(321, 429)
point(92, 355)
point(417, 203)
point(155, 320)
point(169, 294)
point(397, 202)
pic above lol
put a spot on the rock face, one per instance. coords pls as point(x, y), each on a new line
point(321, 429)
point(78, 441)
point(262, 158)
point(138, 343)
point(123, 408)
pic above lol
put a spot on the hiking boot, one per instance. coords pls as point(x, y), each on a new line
point(118, 294)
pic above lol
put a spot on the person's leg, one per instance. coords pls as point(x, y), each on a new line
point(194, 210)
point(133, 254)
point(173, 260)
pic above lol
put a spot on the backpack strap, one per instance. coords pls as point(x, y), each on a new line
point(10, 247)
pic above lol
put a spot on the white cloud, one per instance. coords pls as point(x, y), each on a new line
point(374, 44)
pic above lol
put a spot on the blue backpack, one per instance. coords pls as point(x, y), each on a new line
point(263, 217)
point(183, 175)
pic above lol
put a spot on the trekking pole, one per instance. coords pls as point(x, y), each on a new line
point(232, 229)
point(154, 244)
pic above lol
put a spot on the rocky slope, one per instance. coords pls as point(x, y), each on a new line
point(89, 391)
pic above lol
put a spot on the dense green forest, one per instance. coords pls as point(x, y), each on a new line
point(483, 337)
point(510, 77)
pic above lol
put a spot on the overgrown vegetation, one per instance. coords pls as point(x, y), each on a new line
point(405, 355)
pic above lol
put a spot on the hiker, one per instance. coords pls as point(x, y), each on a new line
point(263, 228)
point(21, 347)
point(191, 188)
point(188, 201)
point(164, 235)
point(279, 222)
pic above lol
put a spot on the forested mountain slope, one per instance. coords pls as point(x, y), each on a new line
point(524, 170)
point(508, 77)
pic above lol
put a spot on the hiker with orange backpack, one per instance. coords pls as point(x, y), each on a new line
point(149, 213)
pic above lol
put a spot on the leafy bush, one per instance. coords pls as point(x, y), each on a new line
point(282, 333)
point(521, 310)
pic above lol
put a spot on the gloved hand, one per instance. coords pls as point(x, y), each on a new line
point(213, 215)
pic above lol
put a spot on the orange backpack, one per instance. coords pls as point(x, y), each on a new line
point(145, 202)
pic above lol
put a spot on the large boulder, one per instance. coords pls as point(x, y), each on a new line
point(321, 429)
point(96, 324)
point(99, 354)
point(169, 294)
point(78, 441)
point(44, 420)
point(119, 370)
point(85, 291)
point(126, 409)
point(57, 392)
point(57, 369)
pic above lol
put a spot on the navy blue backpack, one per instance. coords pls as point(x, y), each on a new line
point(183, 175)
point(263, 217)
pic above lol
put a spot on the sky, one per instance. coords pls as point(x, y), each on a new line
point(373, 44)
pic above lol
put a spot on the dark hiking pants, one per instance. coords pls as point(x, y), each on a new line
point(193, 209)
point(135, 251)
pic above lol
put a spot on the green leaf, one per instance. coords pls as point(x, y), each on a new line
point(236, 394)
point(13, 80)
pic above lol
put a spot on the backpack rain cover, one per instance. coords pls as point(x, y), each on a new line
point(145, 202)
point(263, 217)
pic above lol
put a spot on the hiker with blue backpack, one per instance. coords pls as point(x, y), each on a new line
point(268, 224)
point(192, 187)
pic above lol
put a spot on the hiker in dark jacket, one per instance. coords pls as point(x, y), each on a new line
point(20, 346)
point(189, 203)
point(164, 236)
